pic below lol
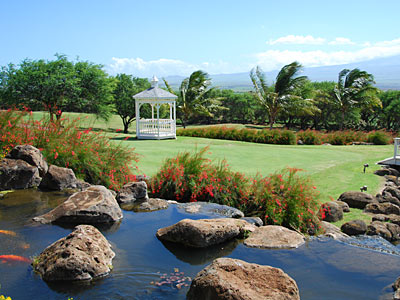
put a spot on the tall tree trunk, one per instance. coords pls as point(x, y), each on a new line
point(126, 125)
point(342, 120)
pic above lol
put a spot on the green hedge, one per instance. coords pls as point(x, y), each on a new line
point(288, 137)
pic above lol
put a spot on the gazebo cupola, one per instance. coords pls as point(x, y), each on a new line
point(155, 128)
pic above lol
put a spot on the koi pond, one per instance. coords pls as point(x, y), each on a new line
point(145, 268)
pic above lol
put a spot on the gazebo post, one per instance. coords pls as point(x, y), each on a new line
point(137, 107)
point(158, 121)
point(175, 119)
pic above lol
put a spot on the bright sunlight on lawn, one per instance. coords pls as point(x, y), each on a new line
point(334, 169)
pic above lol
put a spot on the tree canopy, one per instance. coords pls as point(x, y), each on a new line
point(276, 96)
point(57, 85)
point(126, 87)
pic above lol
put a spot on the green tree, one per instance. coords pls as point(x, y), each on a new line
point(301, 105)
point(94, 91)
point(126, 87)
point(193, 97)
point(353, 89)
point(274, 98)
point(57, 85)
point(389, 117)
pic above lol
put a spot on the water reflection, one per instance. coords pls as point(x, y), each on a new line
point(323, 269)
point(201, 256)
point(103, 227)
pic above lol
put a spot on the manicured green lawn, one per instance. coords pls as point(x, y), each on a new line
point(334, 169)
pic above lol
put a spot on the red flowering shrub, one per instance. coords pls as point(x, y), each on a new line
point(287, 137)
point(309, 137)
point(90, 154)
point(190, 177)
point(282, 198)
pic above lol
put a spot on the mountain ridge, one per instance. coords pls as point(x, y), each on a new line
point(386, 72)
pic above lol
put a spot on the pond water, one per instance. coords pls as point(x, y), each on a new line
point(322, 268)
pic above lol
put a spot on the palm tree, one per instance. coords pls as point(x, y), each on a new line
point(192, 98)
point(275, 97)
point(354, 87)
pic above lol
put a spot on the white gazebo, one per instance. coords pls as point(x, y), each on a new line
point(155, 128)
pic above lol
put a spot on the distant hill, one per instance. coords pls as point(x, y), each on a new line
point(385, 70)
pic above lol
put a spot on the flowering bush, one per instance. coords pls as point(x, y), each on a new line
point(90, 154)
point(287, 137)
point(282, 198)
point(309, 137)
point(190, 177)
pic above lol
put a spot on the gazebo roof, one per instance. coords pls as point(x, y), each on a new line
point(155, 93)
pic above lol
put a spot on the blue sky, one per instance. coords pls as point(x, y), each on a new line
point(178, 37)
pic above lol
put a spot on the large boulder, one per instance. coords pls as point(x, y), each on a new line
point(133, 191)
point(93, 205)
point(356, 199)
point(331, 212)
point(58, 178)
point(387, 197)
point(385, 208)
point(379, 228)
point(395, 219)
point(230, 279)
point(210, 209)
point(396, 288)
point(31, 155)
point(84, 254)
point(394, 230)
point(18, 174)
point(394, 191)
point(354, 227)
point(204, 232)
point(332, 231)
point(274, 237)
point(386, 171)
point(152, 204)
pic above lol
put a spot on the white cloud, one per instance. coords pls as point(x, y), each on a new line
point(394, 42)
point(268, 60)
point(275, 59)
point(298, 40)
point(142, 68)
point(341, 41)
point(165, 67)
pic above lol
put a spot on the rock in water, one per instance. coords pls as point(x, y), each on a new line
point(211, 209)
point(93, 205)
point(152, 204)
point(274, 237)
point(356, 199)
point(204, 232)
point(132, 192)
point(84, 254)
point(231, 279)
point(17, 174)
point(31, 155)
point(58, 178)
point(333, 231)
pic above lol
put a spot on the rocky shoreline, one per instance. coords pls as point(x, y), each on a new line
point(85, 254)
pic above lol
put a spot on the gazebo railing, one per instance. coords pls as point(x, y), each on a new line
point(149, 127)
